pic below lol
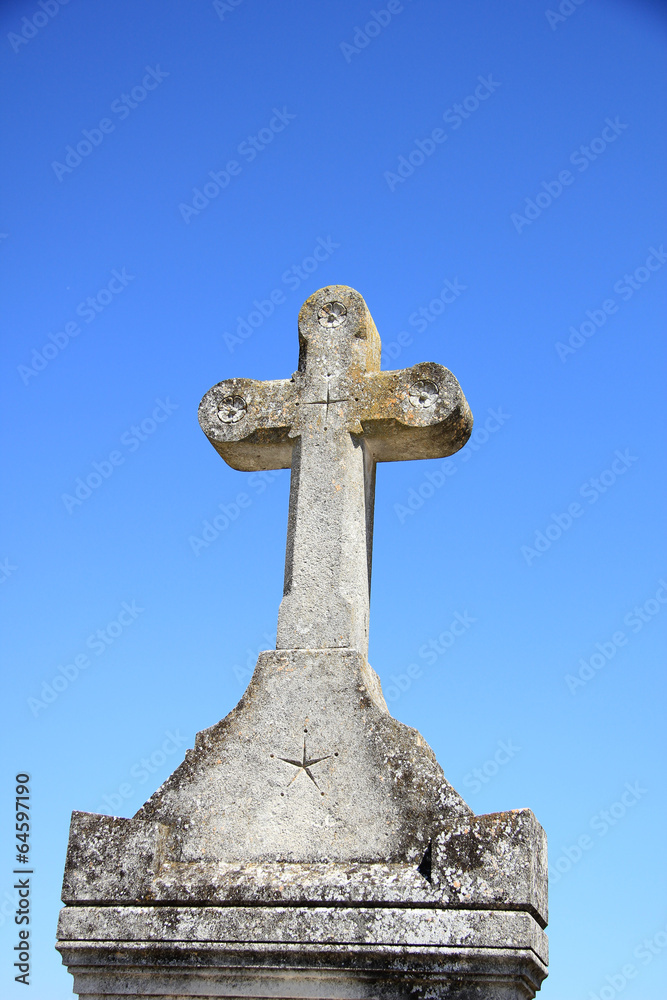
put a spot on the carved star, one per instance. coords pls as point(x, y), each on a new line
point(305, 765)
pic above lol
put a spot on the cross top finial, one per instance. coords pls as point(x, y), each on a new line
point(337, 331)
point(330, 423)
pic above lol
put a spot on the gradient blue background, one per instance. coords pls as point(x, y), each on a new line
point(183, 663)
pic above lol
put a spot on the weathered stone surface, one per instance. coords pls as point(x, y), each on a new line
point(354, 925)
point(296, 884)
point(237, 821)
point(495, 864)
point(373, 792)
point(500, 859)
point(110, 858)
point(335, 953)
point(331, 422)
point(302, 952)
point(312, 972)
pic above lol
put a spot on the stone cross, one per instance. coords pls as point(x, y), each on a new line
point(310, 845)
point(330, 423)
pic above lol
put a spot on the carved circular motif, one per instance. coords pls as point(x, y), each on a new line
point(423, 393)
point(332, 314)
point(231, 409)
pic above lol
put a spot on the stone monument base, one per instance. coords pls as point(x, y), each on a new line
point(310, 952)
point(308, 846)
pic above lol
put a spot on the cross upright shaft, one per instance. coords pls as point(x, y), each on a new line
point(331, 422)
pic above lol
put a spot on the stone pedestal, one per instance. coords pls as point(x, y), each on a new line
point(313, 952)
point(309, 846)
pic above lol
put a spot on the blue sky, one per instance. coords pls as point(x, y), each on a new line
point(178, 178)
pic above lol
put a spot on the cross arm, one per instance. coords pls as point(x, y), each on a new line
point(418, 412)
point(248, 422)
